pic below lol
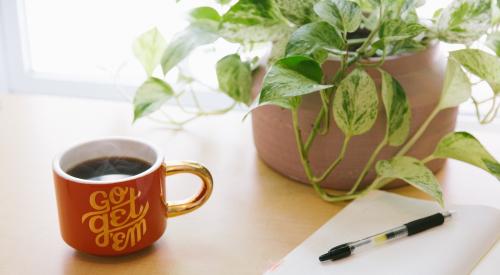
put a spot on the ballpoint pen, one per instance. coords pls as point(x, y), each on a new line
point(408, 229)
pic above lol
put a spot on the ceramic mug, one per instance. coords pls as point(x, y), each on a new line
point(116, 217)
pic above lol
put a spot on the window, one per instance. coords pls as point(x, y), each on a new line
point(83, 48)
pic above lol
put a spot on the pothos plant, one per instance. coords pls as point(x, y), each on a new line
point(304, 34)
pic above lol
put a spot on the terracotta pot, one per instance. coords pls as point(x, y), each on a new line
point(421, 74)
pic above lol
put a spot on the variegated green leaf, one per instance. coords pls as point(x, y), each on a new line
point(148, 49)
point(456, 88)
point(150, 96)
point(285, 102)
point(279, 47)
point(397, 110)
point(482, 64)
point(313, 39)
point(393, 8)
point(290, 77)
point(464, 21)
point(495, 14)
point(298, 12)
point(366, 6)
point(493, 42)
point(401, 9)
point(355, 105)
point(205, 17)
point(465, 147)
point(235, 78)
point(413, 172)
point(394, 31)
point(250, 21)
point(182, 45)
point(345, 15)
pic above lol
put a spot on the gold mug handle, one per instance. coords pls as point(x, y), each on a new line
point(180, 207)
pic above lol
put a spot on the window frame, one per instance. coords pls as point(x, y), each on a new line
point(21, 79)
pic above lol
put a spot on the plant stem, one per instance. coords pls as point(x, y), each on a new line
point(303, 157)
point(334, 164)
point(414, 139)
point(314, 130)
point(372, 34)
point(491, 113)
point(427, 159)
point(419, 133)
point(307, 167)
point(369, 164)
point(326, 106)
point(378, 64)
point(483, 101)
point(476, 109)
point(323, 115)
point(356, 41)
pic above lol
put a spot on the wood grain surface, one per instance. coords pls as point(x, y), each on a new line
point(254, 217)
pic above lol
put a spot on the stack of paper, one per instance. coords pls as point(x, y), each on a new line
point(460, 246)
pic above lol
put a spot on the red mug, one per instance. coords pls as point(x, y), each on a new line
point(120, 216)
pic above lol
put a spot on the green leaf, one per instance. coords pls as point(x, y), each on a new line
point(148, 49)
point(285, 102)
point(412, 171)
point(465, 147)
point(493, 42)
point(342, 14)
point(366, 5)
point(204, 13)
point(279, 47)
point(297, 12)
point(205, 18)
point(396, 30)
point(235, 78)
point(355, 105)
point(400, 9)
point(182, 45)
point(407, 46)
point(289, 77)
point(150, 96)
point(464, 21)
point(495, 13)
point(456, 87)
point(250, 21)
point(482, 64)
point(313, 39)
point(397, 110)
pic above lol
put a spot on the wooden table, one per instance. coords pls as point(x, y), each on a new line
point(254, 217)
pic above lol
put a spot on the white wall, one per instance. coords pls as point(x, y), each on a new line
point(3, 61)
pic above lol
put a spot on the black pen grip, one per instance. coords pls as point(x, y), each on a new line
point(423, 224)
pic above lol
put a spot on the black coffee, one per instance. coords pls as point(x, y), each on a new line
point(110, 168)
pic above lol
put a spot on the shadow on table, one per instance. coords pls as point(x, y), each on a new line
point(136, 256)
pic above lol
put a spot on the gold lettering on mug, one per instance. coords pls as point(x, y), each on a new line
point(116, 219)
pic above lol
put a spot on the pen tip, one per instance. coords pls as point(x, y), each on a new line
point(336, 253)
point(448, 214)
point(324, 257)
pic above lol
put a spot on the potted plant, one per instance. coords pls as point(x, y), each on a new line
point(354, 93)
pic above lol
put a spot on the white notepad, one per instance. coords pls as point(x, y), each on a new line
point(460, 246)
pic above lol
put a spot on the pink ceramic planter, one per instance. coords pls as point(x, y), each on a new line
point(421, 75)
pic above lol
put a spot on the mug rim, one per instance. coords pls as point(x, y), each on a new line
point(56, 163)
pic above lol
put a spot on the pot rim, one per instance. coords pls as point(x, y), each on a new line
point(433, 45)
